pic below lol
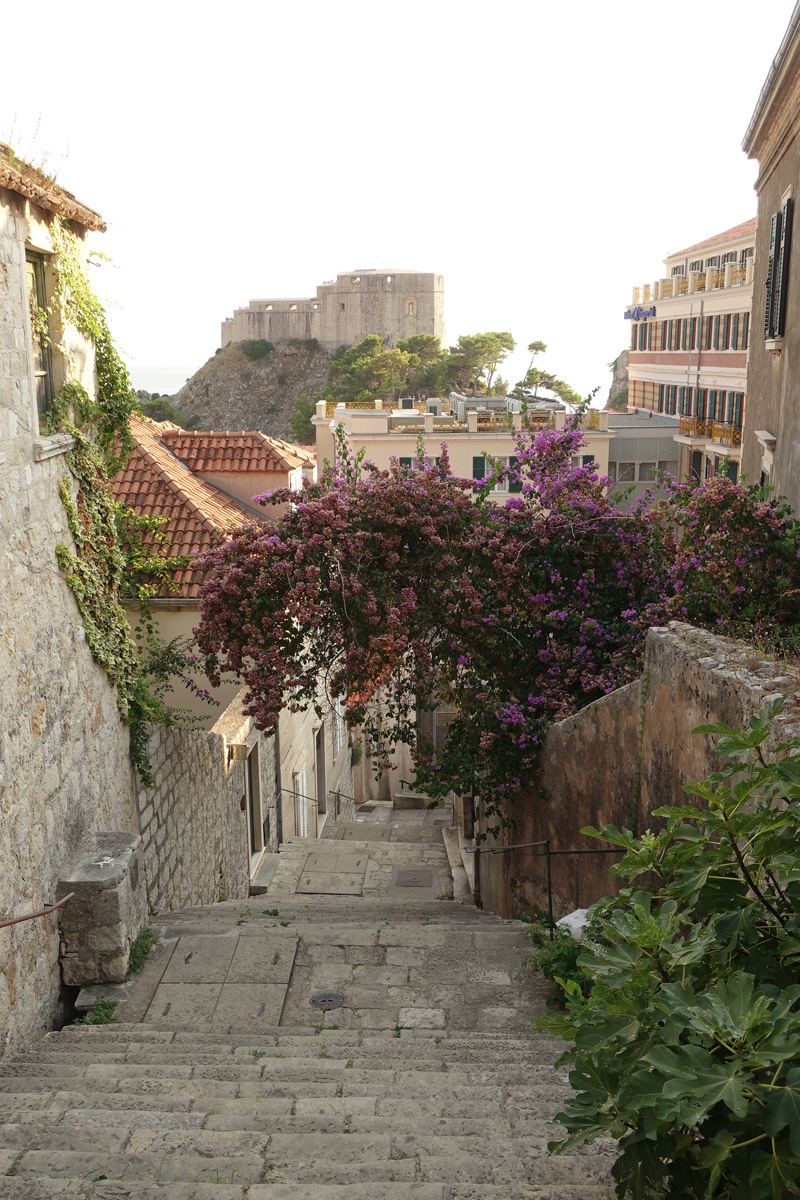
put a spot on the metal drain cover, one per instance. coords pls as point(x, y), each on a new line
point(327, 1000)
point(414, 879)
point(366, 808)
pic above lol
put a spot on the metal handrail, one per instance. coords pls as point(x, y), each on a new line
point(44, 912)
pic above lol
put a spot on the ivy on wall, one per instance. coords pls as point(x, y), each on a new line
point(111, 560)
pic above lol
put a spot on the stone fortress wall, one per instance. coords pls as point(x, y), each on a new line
point(393, 304)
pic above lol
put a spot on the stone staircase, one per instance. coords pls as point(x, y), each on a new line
point(221, 1081)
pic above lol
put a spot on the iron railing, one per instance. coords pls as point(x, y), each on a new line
point(45, 912)
point(548, 854)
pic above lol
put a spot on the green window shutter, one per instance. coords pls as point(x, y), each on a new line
point(735, 331)
point(716, 333)
point(774, 241)
point(745, 329)
point(514, 485)
point(782, 270)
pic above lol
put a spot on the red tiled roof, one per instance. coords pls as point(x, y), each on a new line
point(210, 450)
point(746, 229)
point(155, 483)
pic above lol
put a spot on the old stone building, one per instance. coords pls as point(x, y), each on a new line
point(393, 304)
point(771, 445)
point(65, 768)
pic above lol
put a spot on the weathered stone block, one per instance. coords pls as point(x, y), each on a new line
point(107, 912)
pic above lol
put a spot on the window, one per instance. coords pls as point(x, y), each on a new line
point(713, 262)
point(388, 279)
point(339, 727)
point(409, 462)
point(341, 306)
point(42, 361)
point(647, 472)
point(734, 342)
point(780, 236)
point(731, 256)
point(696, 265)
point(745, 329)
point(292, 308)
point(649, 335)
point(410, 308)
point(677, 270)
point(668, 466)
point(625, 472)
point(268, 308)
point(642, 335)
point(633, 337)
point(745, 254)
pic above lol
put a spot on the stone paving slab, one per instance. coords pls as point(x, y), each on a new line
point(200, 960)
point(262, 960)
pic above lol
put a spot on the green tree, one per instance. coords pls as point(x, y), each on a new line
point(476, 357)
point(302, 429)
point(386, 374)
point(348, 370)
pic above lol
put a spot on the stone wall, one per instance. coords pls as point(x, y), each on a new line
point(193, 824)
point(590, 774)
point(64, 763)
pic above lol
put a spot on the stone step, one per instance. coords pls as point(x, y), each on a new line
point(271, 1057)
point(30, 1189)
point(283, 1159)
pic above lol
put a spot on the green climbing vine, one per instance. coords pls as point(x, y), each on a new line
point(73, 302)
point(118, 554)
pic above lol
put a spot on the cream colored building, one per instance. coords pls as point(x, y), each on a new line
point(689, 337)
point(471, 427)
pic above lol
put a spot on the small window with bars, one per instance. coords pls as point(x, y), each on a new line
point(42, 359)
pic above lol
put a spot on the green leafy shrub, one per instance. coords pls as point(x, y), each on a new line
point(687, 1048)
point(101, 1013)
point(141, 946)
point(556, 958)
point(312, 344)
point(259, 348)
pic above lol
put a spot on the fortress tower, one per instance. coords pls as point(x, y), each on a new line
point(393, 304)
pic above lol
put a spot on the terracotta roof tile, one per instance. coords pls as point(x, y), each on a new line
point(28, 181)
point(746, 229)
point(155, 483)
point(211, 450)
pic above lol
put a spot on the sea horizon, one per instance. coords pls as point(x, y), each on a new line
point(164, 379)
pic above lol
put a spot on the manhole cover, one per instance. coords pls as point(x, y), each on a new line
point(414, 879)
point(366, 808)
point(326, 1000)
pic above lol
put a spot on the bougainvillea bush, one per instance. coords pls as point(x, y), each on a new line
point(407, 587)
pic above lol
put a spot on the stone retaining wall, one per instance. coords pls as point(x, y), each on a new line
point(590, 774)
point(194, 823)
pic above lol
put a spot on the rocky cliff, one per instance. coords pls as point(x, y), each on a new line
point(235, 391)
point(618, 392)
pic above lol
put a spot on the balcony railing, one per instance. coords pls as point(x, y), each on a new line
point(666, 288)
point(646, 293)
point(718, 278)
point(637, 295)
point(726, 435)
point(738, 276)
point(694, 427)
point(681, 285)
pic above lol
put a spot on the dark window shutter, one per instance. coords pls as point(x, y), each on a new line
point(716, 333)
point(745, 329)
point(633, 336)
point(774, 237)
point(478, 468)
point(734, 331)
point(782, 271)
point(514, 485)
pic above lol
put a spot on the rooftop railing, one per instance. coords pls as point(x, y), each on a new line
point(732, 274)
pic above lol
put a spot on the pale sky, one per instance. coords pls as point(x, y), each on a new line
point(544, 156)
